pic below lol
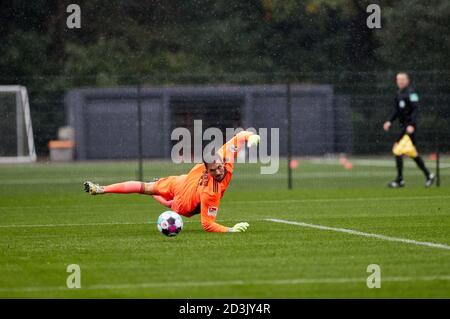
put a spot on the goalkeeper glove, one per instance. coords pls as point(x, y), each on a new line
point(253, 140)
point(239, 228)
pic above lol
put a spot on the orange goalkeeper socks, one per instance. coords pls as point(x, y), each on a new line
point(126, 188)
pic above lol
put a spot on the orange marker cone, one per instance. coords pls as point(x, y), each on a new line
point(348, 165)
point(293, 164)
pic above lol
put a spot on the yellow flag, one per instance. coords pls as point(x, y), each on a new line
point(405, 147)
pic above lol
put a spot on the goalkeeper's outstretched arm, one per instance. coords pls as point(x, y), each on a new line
point(210, 200)
point(209, 208)
point(228, 152)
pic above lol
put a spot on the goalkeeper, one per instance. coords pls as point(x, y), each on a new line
point(199, 191)
point(406, 111)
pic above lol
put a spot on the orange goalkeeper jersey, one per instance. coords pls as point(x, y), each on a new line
point(189, 193)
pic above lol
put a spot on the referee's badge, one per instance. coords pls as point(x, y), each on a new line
point(413, 97)
point(401, 104)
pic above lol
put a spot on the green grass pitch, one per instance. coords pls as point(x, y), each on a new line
point(47, 222)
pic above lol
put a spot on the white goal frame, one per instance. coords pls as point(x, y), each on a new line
point(23, 119)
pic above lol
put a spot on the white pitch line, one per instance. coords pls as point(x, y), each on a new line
point(175, 284)
point(359, 233)
point(104, 224)
point(369, 162)
point(349, 199)
point(244, 175)
point(240, 202)
point(57, 180)
point(69, 225)
point(78, 225)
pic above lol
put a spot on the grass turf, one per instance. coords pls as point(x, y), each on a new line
point(47, 223)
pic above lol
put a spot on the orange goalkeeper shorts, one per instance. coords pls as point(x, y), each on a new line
point(165, 187)
point(177, 188)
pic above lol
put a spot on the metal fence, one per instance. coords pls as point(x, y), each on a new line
point(356, 130)
point(319, 121)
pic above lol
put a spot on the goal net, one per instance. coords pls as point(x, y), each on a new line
point(16, 132)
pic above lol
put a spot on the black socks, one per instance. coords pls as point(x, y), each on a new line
point(399, 163)
point(421, 165)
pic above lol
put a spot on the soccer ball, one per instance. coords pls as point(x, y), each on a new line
point(170, 223)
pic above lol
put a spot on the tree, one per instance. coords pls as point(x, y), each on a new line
point(415, 35)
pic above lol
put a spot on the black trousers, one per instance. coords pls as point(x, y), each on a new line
point(418, 159)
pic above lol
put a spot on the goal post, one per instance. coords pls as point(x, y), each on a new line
point(16, 131)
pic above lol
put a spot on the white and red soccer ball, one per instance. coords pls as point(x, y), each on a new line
point(170, 223)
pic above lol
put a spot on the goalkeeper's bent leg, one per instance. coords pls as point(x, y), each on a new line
point(163, 201)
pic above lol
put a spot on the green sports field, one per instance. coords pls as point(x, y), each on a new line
point(47, 222)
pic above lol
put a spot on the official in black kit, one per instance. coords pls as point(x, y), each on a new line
point(406, 110)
